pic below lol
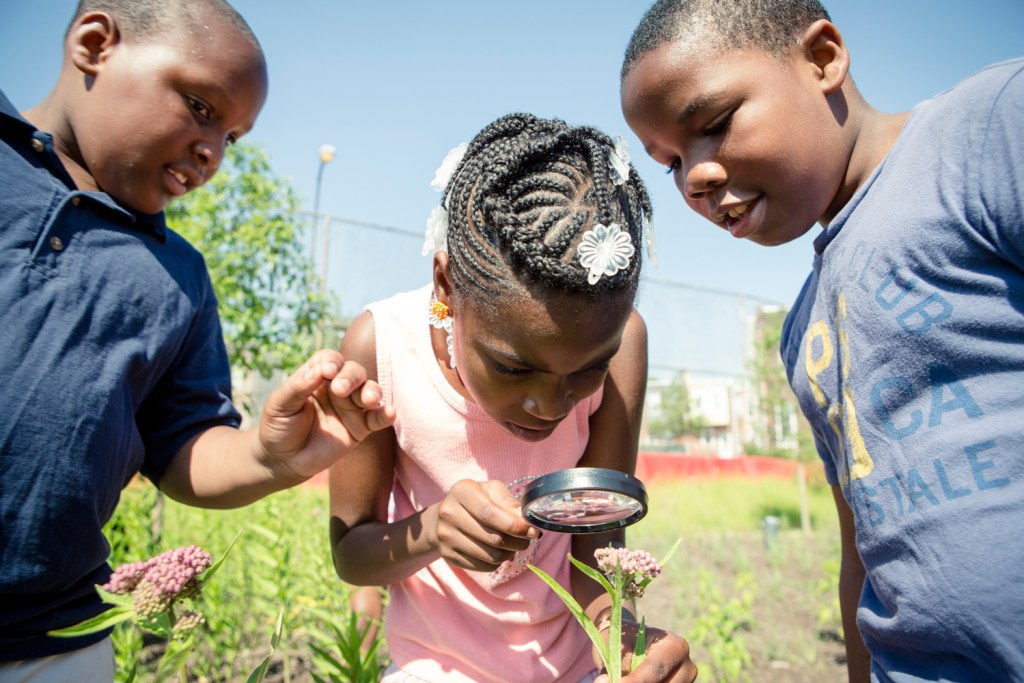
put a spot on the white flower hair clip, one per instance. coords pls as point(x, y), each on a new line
point(649, 242)
point(446, 170)
point(605, 250)
point(618, 161)
point(436, 237)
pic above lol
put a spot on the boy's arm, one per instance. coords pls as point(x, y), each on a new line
point(316, 416)
point(851, 585)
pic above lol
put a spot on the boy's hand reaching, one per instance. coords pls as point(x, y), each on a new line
point(318, 414)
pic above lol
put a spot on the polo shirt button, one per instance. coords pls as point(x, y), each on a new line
point(38, 145)
point(56, 243)
point(76, 201)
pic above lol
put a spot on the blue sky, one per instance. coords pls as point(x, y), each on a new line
point(395, 85)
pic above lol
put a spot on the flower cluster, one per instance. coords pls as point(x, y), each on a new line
point(638, 567)
point(188, 622)
point(157, 583)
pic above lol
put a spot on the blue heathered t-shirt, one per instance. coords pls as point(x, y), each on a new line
point(112, 358)
point(906, 350)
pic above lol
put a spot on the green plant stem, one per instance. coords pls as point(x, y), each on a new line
point(614, 662)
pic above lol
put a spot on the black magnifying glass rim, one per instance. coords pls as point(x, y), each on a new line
point(585, 479)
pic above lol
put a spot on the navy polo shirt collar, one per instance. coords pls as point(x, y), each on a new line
point(12, 120)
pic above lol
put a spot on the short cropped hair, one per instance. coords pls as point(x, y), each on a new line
point(147, 18)
point(522, 198)
point(769, 25)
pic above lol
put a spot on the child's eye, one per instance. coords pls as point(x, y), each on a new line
point(674, 166)
point(502, 369)
point(232, 139)
point(720, 125)
point(198, 106)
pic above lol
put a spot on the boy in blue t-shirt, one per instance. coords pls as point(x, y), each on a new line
point(906, 346)
point(114, 361)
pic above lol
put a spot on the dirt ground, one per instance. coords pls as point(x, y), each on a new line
point(786, 636)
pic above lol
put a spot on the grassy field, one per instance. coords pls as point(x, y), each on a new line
point(750, 611)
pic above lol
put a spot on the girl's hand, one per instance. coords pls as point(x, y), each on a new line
point(479, 525)
point(321, 411)
point(667, 660)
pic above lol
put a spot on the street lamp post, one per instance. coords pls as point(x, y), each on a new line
point(327, 153)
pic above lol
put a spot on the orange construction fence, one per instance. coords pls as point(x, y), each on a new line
point(652, 465)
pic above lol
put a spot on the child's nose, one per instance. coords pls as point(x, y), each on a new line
point(551, 404)
point(208, 156)
point(702, 178)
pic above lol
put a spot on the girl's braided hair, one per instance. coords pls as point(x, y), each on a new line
point(521, 199)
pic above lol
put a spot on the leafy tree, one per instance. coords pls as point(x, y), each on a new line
point(783, 436)
point(675, 416)
point(775, 400)
point(245, 222)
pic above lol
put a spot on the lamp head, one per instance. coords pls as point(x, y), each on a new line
point(327, 153)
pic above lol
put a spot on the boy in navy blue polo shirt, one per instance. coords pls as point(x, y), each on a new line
point(114, 361)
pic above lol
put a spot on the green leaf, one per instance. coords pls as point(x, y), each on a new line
point(260, 672)
point(208, 574)
point(115, 599)
point(112, 617)
point(174, 658)
point(592, 573)
point(670, 553)
point(159, 624)
point(576, 610)
point(640, 647)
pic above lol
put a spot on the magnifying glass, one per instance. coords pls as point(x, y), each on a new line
point(584, 500)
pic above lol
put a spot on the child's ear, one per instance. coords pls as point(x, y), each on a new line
point(823, 46)
point(89, 40)
point(442, 280)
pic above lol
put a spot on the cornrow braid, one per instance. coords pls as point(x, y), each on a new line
point(521, 199)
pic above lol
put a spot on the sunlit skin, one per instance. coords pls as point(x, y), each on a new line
point(763, 146)
point(148, 120)
point(527, 360)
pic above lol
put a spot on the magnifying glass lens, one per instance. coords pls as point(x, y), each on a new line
point(584, 500)
point(584, 507)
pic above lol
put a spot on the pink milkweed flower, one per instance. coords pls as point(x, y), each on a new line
point(638, 567)
point(155, 584)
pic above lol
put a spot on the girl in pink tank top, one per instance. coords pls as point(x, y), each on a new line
point(523, 356)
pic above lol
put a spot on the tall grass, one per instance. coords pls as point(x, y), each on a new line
point(696, 506)
point(282, 561)
point(728, 590)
